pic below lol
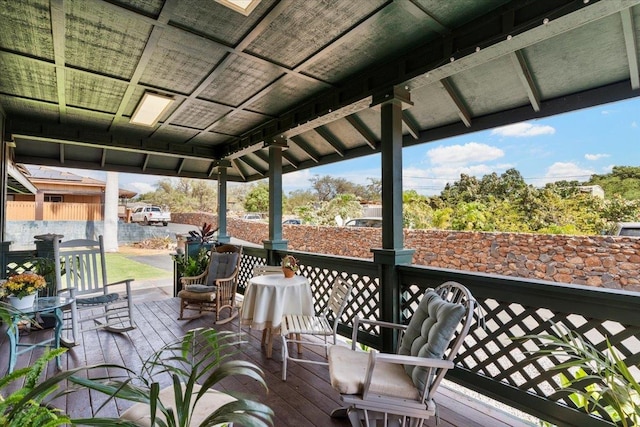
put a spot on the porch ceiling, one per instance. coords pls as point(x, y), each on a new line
point(75, 70)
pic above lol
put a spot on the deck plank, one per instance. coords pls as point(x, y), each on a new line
point(305, 399)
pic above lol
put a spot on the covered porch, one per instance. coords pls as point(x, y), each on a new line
point(290, 85)
point(305, 399)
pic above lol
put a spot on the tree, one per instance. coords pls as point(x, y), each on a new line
point(345, 205)
point(184, 195)
point(328, 187)
point(299, 198)
point(257, 199)
point(416, 212)
point(623, 181)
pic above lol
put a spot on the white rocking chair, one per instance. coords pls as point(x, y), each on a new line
point(398, 389)
point(81, 273)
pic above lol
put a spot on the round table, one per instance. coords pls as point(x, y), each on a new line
point(42, 305)
point(269, 297)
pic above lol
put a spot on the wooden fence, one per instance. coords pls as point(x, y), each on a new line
point(26, 211)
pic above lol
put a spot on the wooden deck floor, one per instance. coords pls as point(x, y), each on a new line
point(305, 399)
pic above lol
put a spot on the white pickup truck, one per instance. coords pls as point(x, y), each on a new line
point(151, 214)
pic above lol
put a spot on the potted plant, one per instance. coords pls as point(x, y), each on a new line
point(21, 289)
point(598, 381)
point(194, 365)
point(289, 266)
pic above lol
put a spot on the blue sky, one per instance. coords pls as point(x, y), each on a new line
point(570, 146)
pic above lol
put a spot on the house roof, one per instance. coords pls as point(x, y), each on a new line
point(40, 175)
point(17, 182)
point(311, 73)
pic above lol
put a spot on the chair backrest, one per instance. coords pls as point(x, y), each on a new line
point(262, 270)
point(340, 293)
point(223, 263)
point(436, 330)
point(80, 264)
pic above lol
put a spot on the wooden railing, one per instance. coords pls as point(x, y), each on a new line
point(490, 361)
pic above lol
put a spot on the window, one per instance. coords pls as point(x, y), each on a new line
point(52, 198)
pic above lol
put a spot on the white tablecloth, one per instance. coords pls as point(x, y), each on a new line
point(270, 296)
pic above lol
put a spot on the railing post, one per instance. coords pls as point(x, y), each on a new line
point(387, 260)
point(4, 250)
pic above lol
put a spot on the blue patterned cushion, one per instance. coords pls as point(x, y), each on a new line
point(221, 266)
point(102, 299)
point(429, 332)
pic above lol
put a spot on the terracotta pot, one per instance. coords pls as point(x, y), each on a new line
point(288, 273)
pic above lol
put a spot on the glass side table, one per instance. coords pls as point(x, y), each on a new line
point(46, 305)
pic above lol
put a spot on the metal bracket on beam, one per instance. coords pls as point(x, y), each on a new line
point(393, 94)
point(277, 141)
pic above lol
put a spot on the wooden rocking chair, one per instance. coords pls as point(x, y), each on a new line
point(215, 289)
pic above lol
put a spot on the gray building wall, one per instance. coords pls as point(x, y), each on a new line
point(20, 233)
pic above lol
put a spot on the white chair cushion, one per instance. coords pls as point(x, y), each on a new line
point(347, 370)
point(213, 399)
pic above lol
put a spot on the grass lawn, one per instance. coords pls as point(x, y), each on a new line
point(120, 267)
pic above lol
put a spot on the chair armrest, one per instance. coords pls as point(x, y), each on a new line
point(120, 282)
point(190, 280)
point(412, 360)
point(358, 320)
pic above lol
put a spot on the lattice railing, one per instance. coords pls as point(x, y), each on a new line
point(322, 270)
point(494, 362)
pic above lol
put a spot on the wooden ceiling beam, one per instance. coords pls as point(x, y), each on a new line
point(411, 124)
point(58, 30)
point(304, 146)
point(628, 29)
point(331, 139)
point(363, 130)
point(239, 168)
point(253, 165)
point(522, 69)
point(461, 109)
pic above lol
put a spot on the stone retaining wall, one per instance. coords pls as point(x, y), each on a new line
point(605, 261)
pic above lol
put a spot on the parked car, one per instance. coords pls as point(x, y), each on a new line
point(252, 217)
point(151, 215)
point(627, 229)
point(292, 221)
point(375, 222)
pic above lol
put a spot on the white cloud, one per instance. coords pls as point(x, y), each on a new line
point(523, 129)
point(140, 187)
point(564, 171)
point(634, 124)
point(595, 156)
point(296, 180)
point(471, 152)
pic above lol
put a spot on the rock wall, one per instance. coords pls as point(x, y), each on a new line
point(604, 261)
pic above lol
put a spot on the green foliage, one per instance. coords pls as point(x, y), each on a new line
point(205, 234)
point(202, 356)
point(184, 195)
point(192, 266)
point(623, 181)
point(597, 381)
point(416, 211)
point(257, 199)
point(327, 188)
point(27, 405)
point(344, 205)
